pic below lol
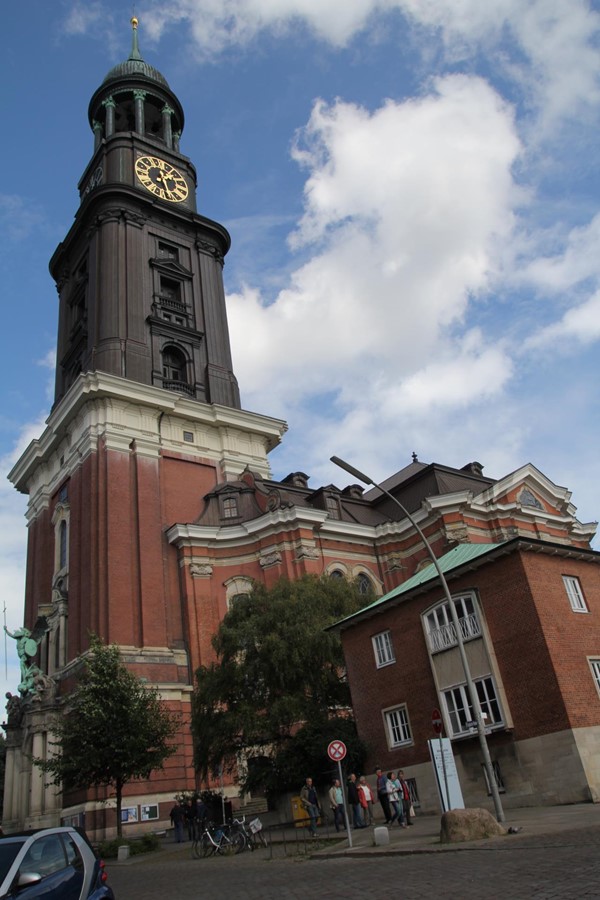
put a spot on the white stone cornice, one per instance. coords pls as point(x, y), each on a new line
point(449, 502)
point(120, 411)
point(529, 476)
point(266, 525)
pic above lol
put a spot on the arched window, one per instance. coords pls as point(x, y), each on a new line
point(63, 545)
point(174, 367)
point(237, 587)
point(336, 574)
point(364, 584)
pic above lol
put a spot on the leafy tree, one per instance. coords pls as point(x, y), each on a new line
point(115, 728)
point(278, 688)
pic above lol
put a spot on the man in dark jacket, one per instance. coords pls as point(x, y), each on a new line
point(310, 802)
point(382, 794)
point(354, 801)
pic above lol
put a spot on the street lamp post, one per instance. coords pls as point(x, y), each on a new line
point(475, 704)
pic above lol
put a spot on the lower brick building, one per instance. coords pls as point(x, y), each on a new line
point(529, 614)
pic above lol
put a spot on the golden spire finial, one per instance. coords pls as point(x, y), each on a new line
point(134, 21)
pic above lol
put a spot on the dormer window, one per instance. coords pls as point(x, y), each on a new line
point(332, 505)
point(230, 508)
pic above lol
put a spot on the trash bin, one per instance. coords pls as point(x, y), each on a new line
point(299, 814)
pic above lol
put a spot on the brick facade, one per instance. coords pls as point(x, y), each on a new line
point(537, 650)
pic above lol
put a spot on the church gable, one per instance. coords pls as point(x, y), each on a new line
point(534, 505)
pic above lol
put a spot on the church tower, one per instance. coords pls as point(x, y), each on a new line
point(146, 421)
point(140, 273)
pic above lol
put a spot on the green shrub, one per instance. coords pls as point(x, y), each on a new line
point(145, 844)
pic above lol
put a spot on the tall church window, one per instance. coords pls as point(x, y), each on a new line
point(237, 588)
point(63, 544)
point(54, 650)
point(172, 305)
point(364, 584)
point(174, 366)
point(60, 521)
point(170, 292)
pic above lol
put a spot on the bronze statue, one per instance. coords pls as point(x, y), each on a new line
point(27, 647)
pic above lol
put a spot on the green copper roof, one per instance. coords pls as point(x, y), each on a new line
point(454, 559)
point(135, 65)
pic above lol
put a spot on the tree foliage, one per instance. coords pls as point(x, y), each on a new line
point(115, 728)
point(278, 688)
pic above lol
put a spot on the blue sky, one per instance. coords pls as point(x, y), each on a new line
point(412, 191)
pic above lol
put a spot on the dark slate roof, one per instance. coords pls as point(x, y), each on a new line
point(412, 485)
point(134, 65)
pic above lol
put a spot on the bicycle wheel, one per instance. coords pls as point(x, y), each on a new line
point(259, 838)
point(239, 842)
point(207, 848)
point(226, 846)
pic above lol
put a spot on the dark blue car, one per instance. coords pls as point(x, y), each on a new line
point(51, 864)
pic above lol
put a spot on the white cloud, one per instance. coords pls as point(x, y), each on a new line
point(84, 16)
point(555, 60)
point(578, 261)
point(578, 327)
point(407, 209)
point(19, 217)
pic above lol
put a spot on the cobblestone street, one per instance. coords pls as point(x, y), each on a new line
point(544, 866)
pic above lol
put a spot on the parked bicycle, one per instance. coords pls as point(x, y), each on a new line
point(218, 840)
point(252, 832)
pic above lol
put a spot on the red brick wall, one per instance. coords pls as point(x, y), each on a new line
point(539, 643)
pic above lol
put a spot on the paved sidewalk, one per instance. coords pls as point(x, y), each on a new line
point(545, 822)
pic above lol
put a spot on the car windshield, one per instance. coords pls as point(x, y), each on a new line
point(8, 851)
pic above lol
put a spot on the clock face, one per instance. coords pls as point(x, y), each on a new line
point(161, 178)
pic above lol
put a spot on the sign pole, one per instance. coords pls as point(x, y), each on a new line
point(337, 751)
point(445, 773)
point(346, 819)
point(438, 726)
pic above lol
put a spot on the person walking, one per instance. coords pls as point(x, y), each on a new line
point(354, 801)
point(336, 802)
point(310, 803)
point(365, 796)
point(404, 794)
point(392, 792)
point(382, 795)
point(177, 816)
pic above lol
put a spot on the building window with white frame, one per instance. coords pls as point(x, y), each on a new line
point(383, 649)
point(237, 588)
point(460, 711)
point(397, 726)
point(230, 508)
point(595, 667)
point(574, 593)
point(440, 628)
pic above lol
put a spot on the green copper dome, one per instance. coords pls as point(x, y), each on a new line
point(135, 65)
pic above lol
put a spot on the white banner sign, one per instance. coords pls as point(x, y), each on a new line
point(446, 776)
